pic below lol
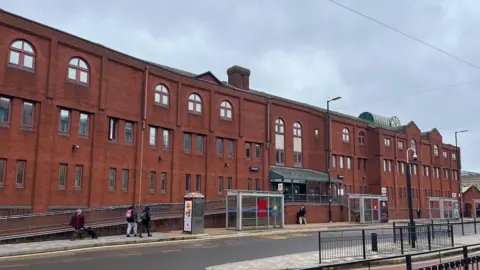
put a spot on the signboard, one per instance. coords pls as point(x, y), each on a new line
point(384, 191)
point(454, 195)
point(254, 169)
point(187, 218)
point(280, 187)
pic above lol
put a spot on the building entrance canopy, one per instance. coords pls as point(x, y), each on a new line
point(298, 175)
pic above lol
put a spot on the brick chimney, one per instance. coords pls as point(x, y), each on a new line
point(239, 77)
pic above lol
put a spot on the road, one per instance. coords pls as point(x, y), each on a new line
point(192, 255)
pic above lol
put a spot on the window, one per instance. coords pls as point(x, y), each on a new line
point(113, 129)
point(360, 164)
point(297, 144)
point(62, 176)
point(187, 182)
point(334, 161)
point(437, 173)
point(346, 135)
point(361, 138)
point(220, 147)
point(229, 183)
point(257, 151)
point(247, 150)
point(384, 165)
point(64, 120)
point(220, 184)
point(454, 155)
point(112, 176)
point(435, 150)
point(83, 130)
point(3, 167)
point(78, 70)
point(129, 132)
point(226, 110)
point(230, 148)
point(341, 162)
point(316, 132)
point(22, 55)
point(4, 110)
point(153, 177)
point(403, 168)
point(163, 184)
point(195, 104)
point(388, 142)
point(401, 145)
point(161, 95)
point(249, 184)
point(349, 163)
point(27, 114)
point(413, 144)
point(198, 182)
point(414, 169)
point(365, 161)
point(21, 164)
point(445, 155)
point(78, 176)
point(257, 184)
point(125, 173)
point(279, 142)
point(427, 171)
point(199, 144)
point(153, 136)
point(389, 162)
point(187, 142)
point(445, 173)
point(166, 139)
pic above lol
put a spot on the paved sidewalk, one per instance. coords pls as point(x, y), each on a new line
point(214, 233)
point(310, 259)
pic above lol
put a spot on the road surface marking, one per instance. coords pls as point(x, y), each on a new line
point(210, 247)
point(77, 259)
point(15, 265)
point(172, 250)
point(275, 237)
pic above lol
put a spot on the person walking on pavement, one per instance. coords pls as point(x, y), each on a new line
point(419, 212)
point(77, 222)
point(145, 218)
point(131, 221)
point(301, 215)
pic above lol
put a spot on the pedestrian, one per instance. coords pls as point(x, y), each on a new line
point(77, 222)
point(301, 215)
point(145, 218)
point(419, 212)
point(131, 215)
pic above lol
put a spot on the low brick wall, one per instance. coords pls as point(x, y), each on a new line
point(316, 213)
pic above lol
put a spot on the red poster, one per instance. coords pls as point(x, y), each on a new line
point(375, 207)
point(262, 208)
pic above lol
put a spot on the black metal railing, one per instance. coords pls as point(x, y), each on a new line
point(464, 257)
point(360, 244)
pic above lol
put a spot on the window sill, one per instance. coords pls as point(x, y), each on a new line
point(77, 189)
point(226, 119)
point(62, 133)
point(166, 106)
point(111, 190)
point(19, 186)
point(27, 128)
point(153, 147)
point(14, 66)
point(129, 144)
point(124, 190)
point(61, 188)
point(83, 136)
point(219, 156)
point(5, 124)
point(77, 83)
point(112, 141)
point(195, 113)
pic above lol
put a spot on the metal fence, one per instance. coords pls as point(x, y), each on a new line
point(32, 224)
point(402, 239)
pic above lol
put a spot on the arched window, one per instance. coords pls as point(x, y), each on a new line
point(435, 150)
point(279, 142)
point(22, 55)
point(78, 70)
point(195, 104)
point(413, 144)
point(346, 135)
point(297, 144)
point(279, 126)
point(226, 110)
point(361, 138)
point(161, 95)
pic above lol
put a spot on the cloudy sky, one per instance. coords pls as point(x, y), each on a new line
point(309, 50)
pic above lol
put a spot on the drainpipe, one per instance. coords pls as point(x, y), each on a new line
point(144, 123)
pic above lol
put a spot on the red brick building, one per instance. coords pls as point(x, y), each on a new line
point(82, 125)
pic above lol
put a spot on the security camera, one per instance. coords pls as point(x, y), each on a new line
point(415, 157)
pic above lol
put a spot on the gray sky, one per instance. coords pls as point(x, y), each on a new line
point(307, 50)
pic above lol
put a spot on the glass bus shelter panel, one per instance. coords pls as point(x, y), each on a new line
point(274, 214)
point(455, 210)
point(368, 213)
point(375, 211)
point(231, 215)
point(476, 205)
point(447, 210)
point(354, 211)
point(435, 210)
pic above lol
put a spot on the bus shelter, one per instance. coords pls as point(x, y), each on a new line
point(476, 208)
point(364, 208)
point(442, 208)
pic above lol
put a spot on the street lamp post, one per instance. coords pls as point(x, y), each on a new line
point(460, 193)
point(410, 201)
point(329, 143)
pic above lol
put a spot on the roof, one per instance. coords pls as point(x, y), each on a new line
point(194, 76)
point(286, 173)
point(466, 188)
point(382, 120)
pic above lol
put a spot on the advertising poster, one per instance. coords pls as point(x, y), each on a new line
point(187, 219)
point(384, 212)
